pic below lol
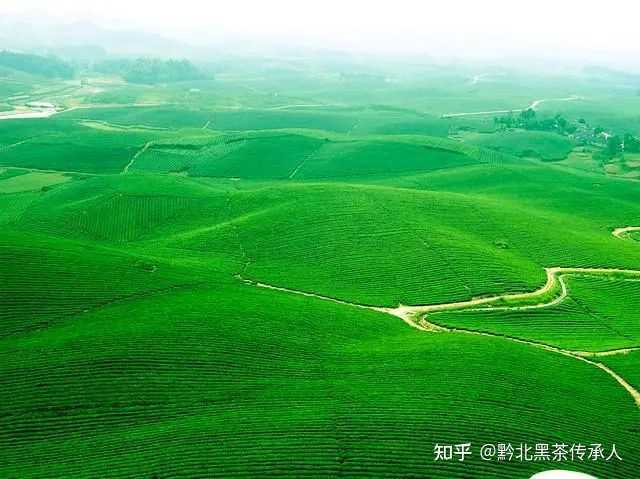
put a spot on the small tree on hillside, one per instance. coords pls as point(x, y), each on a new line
point(614, 145)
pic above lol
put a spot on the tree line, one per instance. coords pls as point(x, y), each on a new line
point(612, 145)
point(528, 120)
point(151, 70)
point(140, 70)
point(50, 67)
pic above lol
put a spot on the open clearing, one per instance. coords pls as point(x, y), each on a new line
point(31, 181)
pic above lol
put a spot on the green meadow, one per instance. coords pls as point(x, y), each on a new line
point(193, 277)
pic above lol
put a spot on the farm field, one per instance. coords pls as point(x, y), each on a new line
point(316, 276)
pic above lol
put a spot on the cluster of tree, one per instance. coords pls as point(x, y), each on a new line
point(611, 145)
point(631, 143)
point(50, 67)
point(151, 70)
point(528, 120)
point(616, 145)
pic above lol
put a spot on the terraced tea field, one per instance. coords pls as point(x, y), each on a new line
point(217, 281)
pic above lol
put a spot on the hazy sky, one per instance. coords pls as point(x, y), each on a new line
point(460, 27)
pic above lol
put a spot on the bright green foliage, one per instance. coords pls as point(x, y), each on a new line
point(537, 144)
point(627, 365)
point(45, 281)
point(239, 381)
point(381, 158)
point(281, 155)
point(31, 181)
point(78, 148)
point(275, 156)
point(6, 174)
point(136, 341)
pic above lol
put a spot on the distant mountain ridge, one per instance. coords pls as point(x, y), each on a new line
point(39, 36)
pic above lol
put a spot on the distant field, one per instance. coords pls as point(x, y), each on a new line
point(280, 154)
point(615, 112)
point(538, 144)
point(166, 117)
point(64, 146)
point(31, 181)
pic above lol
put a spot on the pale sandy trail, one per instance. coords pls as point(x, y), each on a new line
point(26, 114)
point(325, 298)
point(41, 170)
point(481, 113)
point(622, 232)
point(554, 279)
point(304, 161)
point(107, 126)
point(135, 157)
point(533, 106)
point(418, 321)
point(301, 105)
point(300, 293)
point(416, 316)
point(297, 168)
point(611, 352)
point(13, 145)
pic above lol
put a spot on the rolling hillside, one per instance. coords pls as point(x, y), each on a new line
point(218, 291)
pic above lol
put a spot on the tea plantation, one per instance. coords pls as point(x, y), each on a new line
point(197, 290)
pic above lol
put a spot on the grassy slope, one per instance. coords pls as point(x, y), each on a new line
point(339, 119)
point(468, 244)
point(61, 145)
point(628, 365)
point(303, 154)
point(285, 386)
point(45, 280)
point(129, 347)
point(539, 144)
point(351, 240)
point(31, 181)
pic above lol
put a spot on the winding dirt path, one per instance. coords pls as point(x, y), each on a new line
point(611, 352)
point(623, 232)
point(107, 126)
point(31, 113)
point(532, 106)
point(555, 279)
point(28, 114)
point(13, 145)
point(135, 157)
point(416, 316)
point(301, 105)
